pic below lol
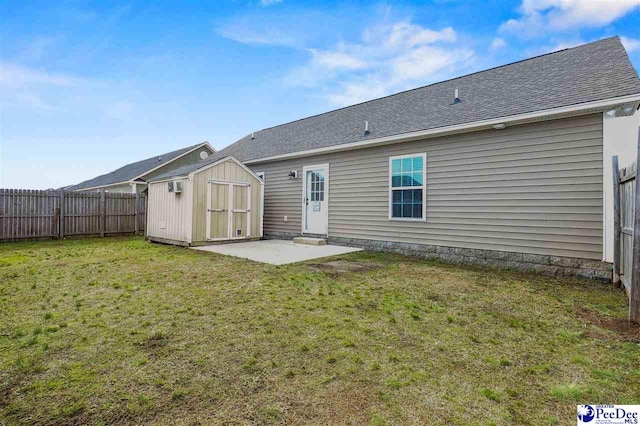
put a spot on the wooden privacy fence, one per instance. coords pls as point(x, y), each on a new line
point(626, 204)
point(627, 190)
point(28, 214)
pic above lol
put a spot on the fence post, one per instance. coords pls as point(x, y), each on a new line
point(634, 293)
point(135, 213)
point(616, 219)
point(62, 213)
point(50, 200)
point(103, 212)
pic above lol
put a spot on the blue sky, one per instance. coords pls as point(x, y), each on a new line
point(86, 87)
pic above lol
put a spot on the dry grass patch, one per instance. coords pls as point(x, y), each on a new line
point(335, 268)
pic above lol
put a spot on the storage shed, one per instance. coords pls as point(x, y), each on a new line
point(221, 201)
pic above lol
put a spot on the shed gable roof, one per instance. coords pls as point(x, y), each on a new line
point(587, 73)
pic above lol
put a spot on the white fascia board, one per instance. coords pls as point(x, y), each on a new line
point(578, 109)
point(208, 145)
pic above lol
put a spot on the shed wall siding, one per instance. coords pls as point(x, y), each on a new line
point(534, 188)
point(169, 209)
point(230, 171)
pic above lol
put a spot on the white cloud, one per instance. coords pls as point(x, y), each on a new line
point(42, 91)
point(244, 31)
point(554, 46)
point(631, 44)
point(26, 100)
point(336, 60)
point(407, 35)
point(538, 16)
point(30, 88)
point(350, 93)
point(15, 76)
point(426, 61)
point(497, 43)
point(266, 3)
point(388, 58)
point(391, 55)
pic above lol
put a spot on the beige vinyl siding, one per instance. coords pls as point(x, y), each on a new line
point(168, 214)
point(228, 170)
point(534, 188)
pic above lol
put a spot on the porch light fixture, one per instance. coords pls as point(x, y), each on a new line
point(293, 174)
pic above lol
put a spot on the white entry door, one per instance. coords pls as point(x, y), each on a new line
point(315, 199)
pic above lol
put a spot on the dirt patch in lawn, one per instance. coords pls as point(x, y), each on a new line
point(5, 391)
point(627, 331)
point(352, 403)
point(339, 267)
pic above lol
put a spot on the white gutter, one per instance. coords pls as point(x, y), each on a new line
point(584, 108)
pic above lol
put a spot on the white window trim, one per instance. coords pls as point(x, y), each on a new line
point(424, 188)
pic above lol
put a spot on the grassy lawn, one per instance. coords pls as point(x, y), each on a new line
point(118, 330)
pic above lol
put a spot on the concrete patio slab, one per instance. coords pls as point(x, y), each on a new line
point(276, 252)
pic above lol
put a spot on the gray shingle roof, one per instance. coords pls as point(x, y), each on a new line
point(590, 72)
point(132, 170)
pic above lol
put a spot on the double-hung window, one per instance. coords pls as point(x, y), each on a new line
point(407, 187)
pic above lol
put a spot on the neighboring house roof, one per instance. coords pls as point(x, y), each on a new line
point(591, 72)
point(136, 170)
